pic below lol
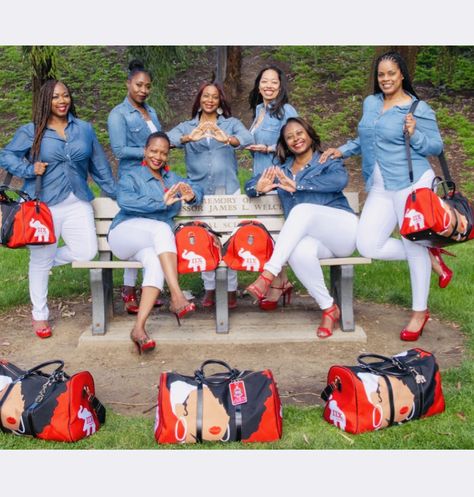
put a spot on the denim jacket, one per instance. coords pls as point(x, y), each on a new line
point(316, 183)
point(69, 161)
point(210, 163)
point(381, 141)
point(267, 133)
point(128, 132)
point(140, 194)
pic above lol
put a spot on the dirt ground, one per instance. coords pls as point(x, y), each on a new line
point(127, 383)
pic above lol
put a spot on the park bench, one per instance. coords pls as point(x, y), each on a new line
point(222, 213)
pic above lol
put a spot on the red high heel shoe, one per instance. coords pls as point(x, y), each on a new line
point(182, 311)
point(42, 332)
point(412, 336)
point(334, 314)
point(285, 291)
point(444, 278)
point(145, 344)
point(255, 291)
point(209, 299)
point(130, 301)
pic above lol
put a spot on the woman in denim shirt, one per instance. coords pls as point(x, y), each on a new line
point(210, 140)
point(64, 150)
point(130, 124)
point(149, 196)
point(269, 103)
point(319, 221)
point(385, 169)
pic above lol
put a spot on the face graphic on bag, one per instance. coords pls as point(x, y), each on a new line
point(378, 395)
point(184, 405)
point(13, 407)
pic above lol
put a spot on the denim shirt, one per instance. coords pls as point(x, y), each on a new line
point(267, 133)
point(210, 163)
point(316, 183)
point(140, 194)
point(381, 141)
point(69, 162)
point(128, 132)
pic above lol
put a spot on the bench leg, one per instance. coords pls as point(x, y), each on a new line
point(222, 308)
point(342, 289)
point(101, 293)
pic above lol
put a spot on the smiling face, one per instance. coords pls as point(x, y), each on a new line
point(61, 101)
point(139, 87)
point(210, 100)
point(156, 153)
point(389, 77)
point(297, 139)
point(269, 86)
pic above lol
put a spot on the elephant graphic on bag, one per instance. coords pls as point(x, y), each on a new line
point(250, 262)
point(337, 416)
point(417, 220)
point(196, 261)
point(41, 231)
point(89, 424)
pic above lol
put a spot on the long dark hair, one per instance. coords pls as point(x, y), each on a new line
point(396, 58)
point(256, 98)
point(136, 66)
point(283, 152)
point(223, 102)
point(42, 111)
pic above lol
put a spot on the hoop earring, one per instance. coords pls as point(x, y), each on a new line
point(181, 420)
point(219, 111)
point(377, 409)
point(199, 110)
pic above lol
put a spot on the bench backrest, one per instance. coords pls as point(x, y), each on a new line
point(222, 212)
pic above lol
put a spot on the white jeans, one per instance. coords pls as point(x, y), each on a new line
point(74, 222)
point(312, 232)
point(382, 211)
point(143, 240)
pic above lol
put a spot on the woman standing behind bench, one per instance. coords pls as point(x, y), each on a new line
point(319, 221)
point(130, 124)
point(210, 139)
point(385, 169)
point(149, 196)
point(63, 150)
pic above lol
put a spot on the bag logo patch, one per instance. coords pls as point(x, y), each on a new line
point(250, 262)
point(196, 262)
point(337, 416)
point(42, 231)
point(417, 220)
point(89, 424)
point(238, 395)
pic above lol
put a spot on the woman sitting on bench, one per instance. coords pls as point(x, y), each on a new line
point(319, 221)
point(149, 197)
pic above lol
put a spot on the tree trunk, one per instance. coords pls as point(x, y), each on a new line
point(232, 80)
point(43, 62)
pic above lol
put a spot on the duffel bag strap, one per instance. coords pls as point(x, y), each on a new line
point(330, 388)
point(43, 365)
point(404, 370)
point(200, 375)
point(411, 110)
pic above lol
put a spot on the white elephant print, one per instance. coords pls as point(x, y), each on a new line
point(42, 231)
point(337, 416)
point(417, 220)
point(250, 262)
point(196, 261)
point(89, 424)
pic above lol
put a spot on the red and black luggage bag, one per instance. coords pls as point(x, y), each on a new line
point(51, 406)
point(229, 406)
point(391, 390)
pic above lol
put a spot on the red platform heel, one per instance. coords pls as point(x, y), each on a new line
point(182, 311)
point(285, 292)
point(42, 331)
point(438, 264)
point(129, 298)
point(259, 287)
point(412, 336)
point(144, 344)
point(334, 314)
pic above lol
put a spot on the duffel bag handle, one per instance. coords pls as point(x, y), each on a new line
point(200, 375)
point(7, 188)
point(404, 369)
point(43, 365)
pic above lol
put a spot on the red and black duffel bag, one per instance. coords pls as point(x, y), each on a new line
point(231, 406)
point(249, 247)
point(391, 390)
point(51, 406)
point(198, 247)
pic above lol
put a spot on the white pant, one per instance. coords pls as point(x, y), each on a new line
point(209, 280)
point(74, 222)
point(382, 211)
point(143, 240)
point(312, 232)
